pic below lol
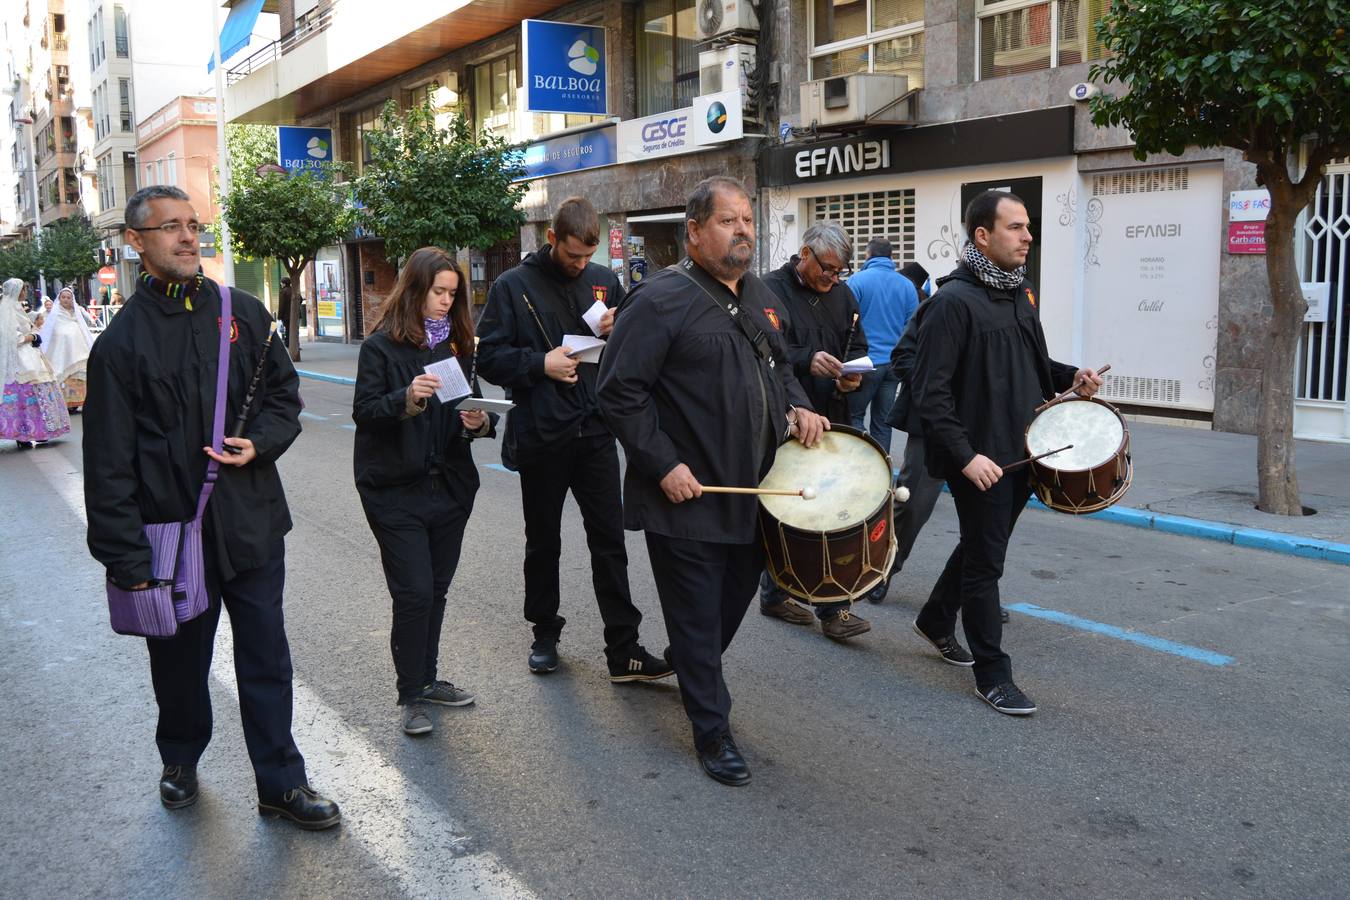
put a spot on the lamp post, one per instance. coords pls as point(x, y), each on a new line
point(222, 227)
point(33, 182)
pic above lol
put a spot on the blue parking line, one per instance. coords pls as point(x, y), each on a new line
point(1162, 645)
point(312, 416)
point(498, 467)
point(321, 376)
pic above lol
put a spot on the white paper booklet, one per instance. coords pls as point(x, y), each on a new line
point(594, 315)
point(584, 348)
point(855, 366)
point(453, 383)
point(486, 404)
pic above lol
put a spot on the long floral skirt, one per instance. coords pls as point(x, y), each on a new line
point(33, 412)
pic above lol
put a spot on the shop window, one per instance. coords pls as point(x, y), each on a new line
point(888, 214)
point(494, 95)
point(1017, 36)
point(880, 36)
point(667, 55)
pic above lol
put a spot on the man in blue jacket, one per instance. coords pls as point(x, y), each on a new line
point(886, 300)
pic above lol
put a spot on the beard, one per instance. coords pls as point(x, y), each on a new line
point(736, 262)
point(176, 268)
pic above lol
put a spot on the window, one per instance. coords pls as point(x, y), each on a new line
point(159, 171)
point(171, 169)
point(121, 35)
point(1017, 36)
point(72, 185)
point(881, 36)
point(149, 174)
point(124, 90)
point(494, 95)
point(67, 134)
point(888, 214)
point(366, 122)
point(667, 56)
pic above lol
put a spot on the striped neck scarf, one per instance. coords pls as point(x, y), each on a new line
point(990, 274)
point(174, 290)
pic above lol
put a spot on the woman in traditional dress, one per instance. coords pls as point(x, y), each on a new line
point(66, 340)
point(31, 408)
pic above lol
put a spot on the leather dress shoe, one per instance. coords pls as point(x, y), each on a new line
point(178, 786)
point(723, 762)
point(303, 806)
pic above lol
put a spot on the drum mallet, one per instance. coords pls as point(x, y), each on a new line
point(806, 493)
point(1076, 385)
point(1022, 462)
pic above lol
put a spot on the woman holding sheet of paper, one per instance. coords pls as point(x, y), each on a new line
point(414, 470)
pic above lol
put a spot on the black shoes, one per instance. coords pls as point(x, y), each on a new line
point(1008, 699)
point(951, 651)
point(178, 786)
point(303, 806)
point(723, 762)
point(443, 693)
point(1002, 614)
point(543, 657)
point(415, 719)
point(638, 665)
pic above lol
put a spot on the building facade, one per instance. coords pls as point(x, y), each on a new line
point(884, 115)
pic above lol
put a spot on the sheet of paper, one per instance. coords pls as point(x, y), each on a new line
point(594, 315)
point(855, 366)
point(453, 383)
point(584, 348)
point(486, 404)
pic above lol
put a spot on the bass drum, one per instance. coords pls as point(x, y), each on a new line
point(1092, 475)
point(839, 545)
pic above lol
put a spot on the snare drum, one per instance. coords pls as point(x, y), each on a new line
point(839, 545)
point(1096, 472)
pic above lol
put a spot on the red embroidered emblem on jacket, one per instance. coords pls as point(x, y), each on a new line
point(234, 328)
point(599, 293)
point(1031, 298)
point(772, 315)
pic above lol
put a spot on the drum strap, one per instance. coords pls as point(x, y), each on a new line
point(758, 339)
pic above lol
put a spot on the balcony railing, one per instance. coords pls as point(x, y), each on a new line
point(59, 42)
point(317, 21)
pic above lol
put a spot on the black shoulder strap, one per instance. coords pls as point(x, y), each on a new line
point(703, 280)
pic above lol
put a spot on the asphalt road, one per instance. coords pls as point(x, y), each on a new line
point(1213, 766)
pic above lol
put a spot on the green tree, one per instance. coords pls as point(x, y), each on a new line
point(21, 259)
point(430, 186)
point(289, 218)
point(250, 146)
point(70, 249)
point(1267, 78)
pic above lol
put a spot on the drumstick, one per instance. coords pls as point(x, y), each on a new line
point(806, 493)
point(1076, 385)
point(1022, 462)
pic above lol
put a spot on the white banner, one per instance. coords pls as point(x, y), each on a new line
point(714, 119)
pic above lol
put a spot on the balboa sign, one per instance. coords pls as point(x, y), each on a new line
point(564, 67)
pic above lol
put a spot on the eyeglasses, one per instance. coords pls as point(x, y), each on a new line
point(173, 228)
point(834, 271)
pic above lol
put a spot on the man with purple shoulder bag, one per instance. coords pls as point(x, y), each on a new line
point(185, 518)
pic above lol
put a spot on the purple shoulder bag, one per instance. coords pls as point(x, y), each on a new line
point(177, 590)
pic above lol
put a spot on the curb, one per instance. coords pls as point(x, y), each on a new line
point(1238, 536)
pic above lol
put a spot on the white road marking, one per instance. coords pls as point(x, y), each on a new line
point(398, 824)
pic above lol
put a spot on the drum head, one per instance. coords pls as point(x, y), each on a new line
point(852, 477)
point(1095, 430)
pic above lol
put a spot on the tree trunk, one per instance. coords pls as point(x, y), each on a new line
point(293, 314)
point(1276, 473)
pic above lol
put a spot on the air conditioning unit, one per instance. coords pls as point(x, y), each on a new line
point(854, 99)
point(721, 17)
point(727, 68)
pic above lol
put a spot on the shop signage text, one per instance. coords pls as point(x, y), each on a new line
point(570, 153)
point(848, 159)
point(564, 67)
point(713, 119)
point(304, 149)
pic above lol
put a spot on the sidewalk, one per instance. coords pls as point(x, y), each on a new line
point(1186, 480)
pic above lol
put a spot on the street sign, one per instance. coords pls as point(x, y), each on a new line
point(107, 275)
point(564, 67)
point(304, 149)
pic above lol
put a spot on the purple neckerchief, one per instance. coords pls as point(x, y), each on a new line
point(437, 330)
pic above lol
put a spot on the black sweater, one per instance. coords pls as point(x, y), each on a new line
point(393, 448)
point(981, 370)
point(152, 394)
point(680, 383)
point(512, 347)
point(813, 322)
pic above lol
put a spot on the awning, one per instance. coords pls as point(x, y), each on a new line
point(237, 31)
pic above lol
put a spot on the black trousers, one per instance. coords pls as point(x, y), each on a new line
point(969, 583)
point(589, 468)
point(420, 530)
point(924, 491)
point(181, 666)
point(705, 589)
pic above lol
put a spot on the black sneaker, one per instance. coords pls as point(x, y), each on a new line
point(543, 657)
point(638, 665)
point(415, 720)
point(1008, 699)
point(951, 651)
point(443, 693)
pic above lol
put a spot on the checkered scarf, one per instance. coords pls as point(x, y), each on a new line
point(990, 274)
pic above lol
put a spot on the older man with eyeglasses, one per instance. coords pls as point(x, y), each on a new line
point(819, 318)
point(147, 430)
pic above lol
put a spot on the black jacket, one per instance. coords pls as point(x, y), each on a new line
point(680, 383)
point(903, 415)
point(813, 322)
point(980, 371)
point(393, 448)
point(152, 392)
point(511, 350)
